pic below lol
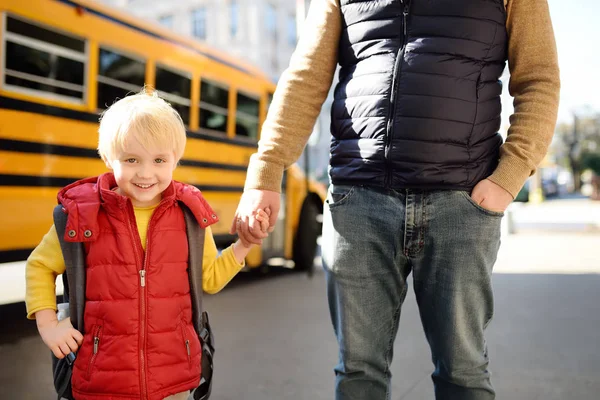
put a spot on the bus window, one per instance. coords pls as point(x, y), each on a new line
point(176, 89)
point(118, 76)
point(43, 62)
point(246, 116)
point(214, 101)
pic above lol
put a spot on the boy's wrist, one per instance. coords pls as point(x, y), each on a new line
point(240, 251)
point(46, 317)
point(241, 246)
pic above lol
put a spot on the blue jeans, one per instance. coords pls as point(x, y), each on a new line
point(372, 240)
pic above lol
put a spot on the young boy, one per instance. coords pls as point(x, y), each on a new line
point(139, 340)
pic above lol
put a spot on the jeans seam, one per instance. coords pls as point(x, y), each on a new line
point(343, 200)
point(391, 341)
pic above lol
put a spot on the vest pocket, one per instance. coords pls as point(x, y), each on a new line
point(186, 342)
point(96, 331)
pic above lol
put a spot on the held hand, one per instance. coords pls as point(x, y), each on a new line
point(245, 223)
point(60, 336)
point(263, 219)
point(491, 196)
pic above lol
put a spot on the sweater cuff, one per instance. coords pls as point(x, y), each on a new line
point(263, 175)
point(511, 175)
point(31, 313)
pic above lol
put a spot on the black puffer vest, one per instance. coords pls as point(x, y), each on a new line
point(418, 99)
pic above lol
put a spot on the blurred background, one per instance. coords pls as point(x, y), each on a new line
point(62, 62)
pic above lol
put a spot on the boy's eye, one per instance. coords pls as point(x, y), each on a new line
point(159, 160)
point(130, 160)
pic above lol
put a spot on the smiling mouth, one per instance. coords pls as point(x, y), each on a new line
point(144, 186)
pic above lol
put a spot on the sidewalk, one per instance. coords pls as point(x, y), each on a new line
point(573, 214)
point(559, 236)
point(540, 252)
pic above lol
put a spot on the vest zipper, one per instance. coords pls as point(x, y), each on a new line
point(186, 341)
point(392, 109)
point(96, 344)
point(142, 273)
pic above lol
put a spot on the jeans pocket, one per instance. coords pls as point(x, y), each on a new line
point(339, 194)
point(481, 209)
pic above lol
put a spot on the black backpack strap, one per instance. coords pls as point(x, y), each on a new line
point(195, 236)
point(74, 294)
point(74, 257)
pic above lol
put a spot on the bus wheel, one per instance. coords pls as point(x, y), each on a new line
point(305, 243)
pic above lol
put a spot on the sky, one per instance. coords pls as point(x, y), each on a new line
point(577, 31)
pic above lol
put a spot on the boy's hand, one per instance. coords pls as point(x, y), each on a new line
point(263, 218)
point(245, 224)
point(59, 336)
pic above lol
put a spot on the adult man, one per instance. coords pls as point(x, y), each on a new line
point(420, 177)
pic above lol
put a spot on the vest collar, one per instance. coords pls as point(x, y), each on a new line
point(82, 200)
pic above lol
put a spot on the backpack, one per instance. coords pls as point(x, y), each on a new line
point(74, 294)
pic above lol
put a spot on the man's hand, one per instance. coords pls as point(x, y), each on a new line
point(245, 223)
point(59, 336)
point(491, 196)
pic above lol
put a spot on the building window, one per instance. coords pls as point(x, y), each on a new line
point(291, 30)
point(234, 14)
point(214, 103)
point(199, 22)
point(41, 61)
point(175, 88)
point(246, 116)
point(118, 76)
point(271, 20)
point(166, 21)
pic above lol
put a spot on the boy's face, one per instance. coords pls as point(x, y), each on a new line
point(142, 174)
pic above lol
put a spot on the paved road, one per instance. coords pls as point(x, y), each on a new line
point(275, 340)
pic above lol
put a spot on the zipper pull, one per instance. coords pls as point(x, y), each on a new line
point(187, 346)
point(96, 343)
point(143, 277)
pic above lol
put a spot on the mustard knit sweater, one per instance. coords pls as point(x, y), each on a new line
point(303, 87)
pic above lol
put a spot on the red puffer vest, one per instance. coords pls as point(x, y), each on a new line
point(139, 341)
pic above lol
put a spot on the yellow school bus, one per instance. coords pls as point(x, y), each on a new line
point(62, 62)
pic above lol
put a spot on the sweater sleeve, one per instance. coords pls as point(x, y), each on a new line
point(297, 101)
point(535, 86)
point(44, 264)
point(217, 270)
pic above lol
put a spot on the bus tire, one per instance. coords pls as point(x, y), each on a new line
point(305, 242)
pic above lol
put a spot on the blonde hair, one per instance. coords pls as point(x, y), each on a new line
point(145, 117)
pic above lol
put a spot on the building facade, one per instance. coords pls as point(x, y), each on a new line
point(262, 32)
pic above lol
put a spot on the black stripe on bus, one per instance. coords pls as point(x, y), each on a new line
point(154, 35)
point(14, 255)
point(59, 182)
point(73, 151)
point(224, 240)
point(6, 256)
point(53, 111)
point(28, 106)
point(46, 148)
point(206, 164)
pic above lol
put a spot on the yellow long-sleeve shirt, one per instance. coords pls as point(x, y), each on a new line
point(303, 87)
point(46, 262)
